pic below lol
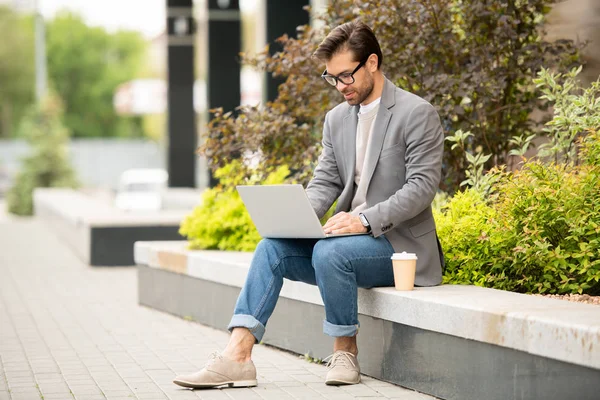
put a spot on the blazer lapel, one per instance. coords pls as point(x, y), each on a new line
point(380, 126)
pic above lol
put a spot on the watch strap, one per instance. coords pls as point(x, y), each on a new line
point(365, 222)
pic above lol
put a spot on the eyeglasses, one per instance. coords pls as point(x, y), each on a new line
point(346, 78)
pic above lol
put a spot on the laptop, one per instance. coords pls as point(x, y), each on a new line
point(283, 211)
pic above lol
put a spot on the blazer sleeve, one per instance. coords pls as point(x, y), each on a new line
point(326, 184)
point(424, 140)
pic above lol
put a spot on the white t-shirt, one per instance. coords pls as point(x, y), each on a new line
point(366, 117)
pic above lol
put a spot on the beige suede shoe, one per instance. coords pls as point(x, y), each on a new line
point(220, 371)
point(343, 369)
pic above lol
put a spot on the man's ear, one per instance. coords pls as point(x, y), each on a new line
point(372, 62)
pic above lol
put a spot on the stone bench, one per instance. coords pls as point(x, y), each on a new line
point(99, 233)
point(450, 341)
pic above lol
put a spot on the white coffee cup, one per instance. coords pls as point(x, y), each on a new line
point(405, 266)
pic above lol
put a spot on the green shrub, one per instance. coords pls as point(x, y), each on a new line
point(539, 230)
point(540, 234)
point(221, 222)
point(48, 164)
point(464, 232)
point(549, 223)
point(576, 113)
point(590, 147)
point(440, 200)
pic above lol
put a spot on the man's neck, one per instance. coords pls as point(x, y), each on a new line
point(377, 88)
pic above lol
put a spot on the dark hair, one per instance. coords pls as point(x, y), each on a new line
point(355, 36)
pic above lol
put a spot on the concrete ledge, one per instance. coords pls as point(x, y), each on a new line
point(551, 328)
point(99, 233)
point(454, 342)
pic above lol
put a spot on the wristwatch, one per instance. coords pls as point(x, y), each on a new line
point(365, 222)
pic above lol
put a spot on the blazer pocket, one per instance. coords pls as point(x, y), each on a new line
point(395, 149)
point(422, 228)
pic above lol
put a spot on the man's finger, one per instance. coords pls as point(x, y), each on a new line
point(336, 217)
point(332, 221)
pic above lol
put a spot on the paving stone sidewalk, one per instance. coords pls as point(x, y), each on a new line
point(70, 331)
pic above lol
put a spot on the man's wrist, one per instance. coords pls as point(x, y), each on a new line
point(365, 222)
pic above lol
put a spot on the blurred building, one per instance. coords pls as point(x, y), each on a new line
point(25, 6)
point(579, 20)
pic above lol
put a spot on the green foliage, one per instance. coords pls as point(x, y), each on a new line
point(475, 175)
point(540, 231)
point(464, 232)
point(48, 164)
point(440, 200)
point(540, 235)
point(16, 69)
point(551, 224)
point(85, 66)
point(309, 358)
point(474, 61)
point(576, 113)
point(221, 221)
point(590, 148)
point(522, 144)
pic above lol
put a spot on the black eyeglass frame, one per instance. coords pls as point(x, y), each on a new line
point(337, 78)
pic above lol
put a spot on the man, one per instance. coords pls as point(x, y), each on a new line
point(381, 159)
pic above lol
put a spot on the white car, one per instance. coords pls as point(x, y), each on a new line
point(141, 189)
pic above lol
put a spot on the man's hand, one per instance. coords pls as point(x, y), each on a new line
point(344, 222)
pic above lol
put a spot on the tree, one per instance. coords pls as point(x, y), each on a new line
point(85, 66)
point(473, 60)
point(48, 164)
point(16, 69)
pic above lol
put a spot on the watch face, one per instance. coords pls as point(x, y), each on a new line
point(363, 220)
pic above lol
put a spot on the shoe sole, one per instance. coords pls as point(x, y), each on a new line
point(248, 383)
point(338, 382)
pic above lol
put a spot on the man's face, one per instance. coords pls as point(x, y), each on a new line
point(343, 63)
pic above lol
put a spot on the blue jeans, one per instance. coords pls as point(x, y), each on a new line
point(338, 266)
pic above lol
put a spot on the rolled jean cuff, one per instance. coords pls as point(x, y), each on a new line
point(339, 330)
point(249, 322)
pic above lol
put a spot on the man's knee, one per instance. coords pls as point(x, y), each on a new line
point(270, 248)
point(328, 254)
point(269, 253)
point(265, 245)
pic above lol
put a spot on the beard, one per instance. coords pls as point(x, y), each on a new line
point(360, 93)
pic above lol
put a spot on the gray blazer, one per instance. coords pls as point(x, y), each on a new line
point(403, 168)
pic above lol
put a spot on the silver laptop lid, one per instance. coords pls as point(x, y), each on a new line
point(284, 211)
point(281, 211)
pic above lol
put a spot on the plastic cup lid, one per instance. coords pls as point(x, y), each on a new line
point(404, 256)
